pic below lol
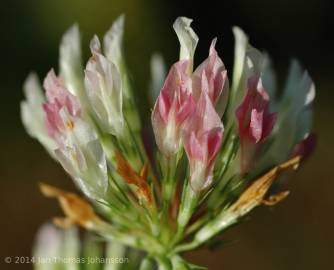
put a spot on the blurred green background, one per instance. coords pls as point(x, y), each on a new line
point(296, 234)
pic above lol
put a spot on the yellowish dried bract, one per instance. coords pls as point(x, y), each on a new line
point(77, 210)
point(255, 194)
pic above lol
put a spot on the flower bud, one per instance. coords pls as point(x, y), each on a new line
point(174, 104)
point(255, 122)
point(79, 151)
point(202, 136)
point(104, 90)
point(54, 247)
point(211, 76)
point(112, 43)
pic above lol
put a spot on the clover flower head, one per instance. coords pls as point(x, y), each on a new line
point(219, 144)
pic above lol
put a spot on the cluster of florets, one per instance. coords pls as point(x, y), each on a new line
point(219, 145)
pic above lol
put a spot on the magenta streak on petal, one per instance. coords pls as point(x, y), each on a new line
point(202, 136)
point(256, 124)
point(57, 92)
point(254, 120)
point(58, 97)
point(173, 106)
point(164, 106)
point(194, 148)
point(210, 76)
point(175, 90)
point(215, 137)
point(52, 120)
point(185, 109)
point(306, 147)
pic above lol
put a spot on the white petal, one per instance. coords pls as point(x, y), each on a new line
point(71, 247)
point(240, 47)
point(48, 245)
point(248, 62)
point(112, 42)
point(187, 38)
point(87, 167)
point(254, 62)
point(309, 89)
point(82, 157)
point(70, 61)
point(78, 132)
point(95, 45)
point(53, 244)
point(269, 77)
point(65, 157)
point(300, 88)
point(32, 113)
point(99, 175)
point(239, 77)
point(93, 179)
point(104, 90)
point(295, 114)
point(158, 75)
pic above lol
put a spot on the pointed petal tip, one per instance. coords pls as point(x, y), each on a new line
point(238, 32)
point(32, 76)
point(214, 41)
point(120, 19)
point(73, 29)
point(276, 198)
point(187, 21)
point(187, 37)
point(95, 45)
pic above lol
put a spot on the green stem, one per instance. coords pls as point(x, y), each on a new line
point(199, 223)
point(164, 263)
point(223, 221)
point(139, 149)
point(188, 205)
point(147, 264)
point(168, 184)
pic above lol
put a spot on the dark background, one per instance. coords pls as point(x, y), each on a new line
point(296, 234)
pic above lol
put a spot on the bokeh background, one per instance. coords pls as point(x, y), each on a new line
point(296, 234)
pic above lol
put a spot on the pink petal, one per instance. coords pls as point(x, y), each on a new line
point(185, 109)
point(255, 127)
point(202, 137)
point(268, 125)
point(173, 106)
point(58, 97)
point(194, 147)
point(52, 120)
point(254, 120)
point(56, 92)
point(306, 147)
point(211, 77)
point(214, 142)
point(164, 105)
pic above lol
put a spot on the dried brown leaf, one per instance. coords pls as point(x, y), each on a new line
point(255, 193)
point(76, 209)
point(125, 170)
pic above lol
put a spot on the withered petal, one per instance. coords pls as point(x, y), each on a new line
point(276, 198)
point(255, 193)
point(76, 209)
